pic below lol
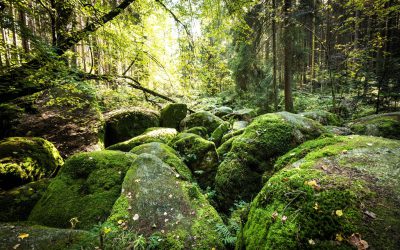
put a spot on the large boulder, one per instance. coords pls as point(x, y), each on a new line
point(199, 155)
point(155, 203)
point(167, 155)
point(254, 152)
point(172, 114)
point(26, 159)
point(323, 117)
point(163, 135)
point(85, 188)
point(246, 114)
point(384, 125)
point(67, 115)
point(222, 111)
point(26, 236)
point(218, 133)
point(201, 119)
point(16, 204)
point(123, 124)
point(202, 131)
point(332, 193)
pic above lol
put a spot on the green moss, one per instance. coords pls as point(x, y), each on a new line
point(219, 132)
point(229, 135)
point(167, 155)
point(199, 155)
point(201, 131)
point(384, 125)
point(26, 159)
point(155, 202)
point(17, 203)
point(44, 237)
point(323, 117)
point(162, 135)
point(124, 124)
point(86, 188)
point(201, 119)
point(224, 149)
point(254, 152)
point(326, 193)
point(172, 114)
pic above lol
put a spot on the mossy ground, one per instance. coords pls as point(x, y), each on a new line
point(345, 186)
point(26, 159)
point(323, 117)
point(86, 188)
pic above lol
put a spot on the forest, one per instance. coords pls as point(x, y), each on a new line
point(200, 124)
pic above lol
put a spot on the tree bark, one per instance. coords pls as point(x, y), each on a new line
point(274, 55)
point(287, 51)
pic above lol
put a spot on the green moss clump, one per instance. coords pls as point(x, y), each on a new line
point(86, 188)
point(172, 114)
point(239, 176)
point(40, 237)
point(163, 135)
point(201, 119)
point(124, 124)
point(344, 186)
point(384, 125)
point(154, 201)
point(219, 132)
point(202, 131)
point(323, 117)
point(16, 204)
point(199, 155)
point(26, 159)
point(224, 149)
point(167, 155)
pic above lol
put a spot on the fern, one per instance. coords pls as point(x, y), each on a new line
point(228, 238)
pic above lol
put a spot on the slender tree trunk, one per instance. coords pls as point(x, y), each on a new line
point(6, 47)
point(287, 54)
point(24, 38)
point(274, 55)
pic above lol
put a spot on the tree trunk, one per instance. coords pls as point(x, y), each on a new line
point(274, 55)
point(287, 52)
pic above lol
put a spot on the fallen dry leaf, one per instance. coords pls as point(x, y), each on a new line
point(23, 236)
point(339, 213)
point(370, 214)
point(355, 240)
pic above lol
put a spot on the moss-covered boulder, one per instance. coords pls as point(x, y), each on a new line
point(163, 135)
point(85, 188)
point(26, 159)
point(254, 152)
point(384, 125)
point(172, 114)
point(126, 123)
point(26, 236)
point(16, 204)
point(332, 193)
point(237, 125)
point(202, 131)
point(222, 111)
point(323, 117)
point(154, 202)
point(231, 134)
point(218, 133)
point(199, 155)
point(245, 114)
point(225, 147)
point(338, 130)
point(67, 115)
point(201, 119)
point(167, 155)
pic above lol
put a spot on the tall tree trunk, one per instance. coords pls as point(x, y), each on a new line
point(24, 38)
point(287, 54)
point(274, 55)
point(313, 34)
